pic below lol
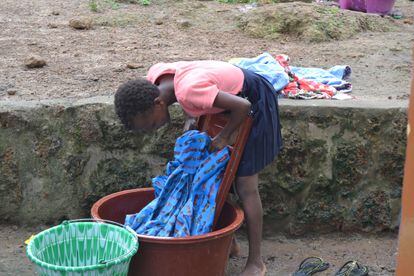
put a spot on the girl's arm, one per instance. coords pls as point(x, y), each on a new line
point(239, 109)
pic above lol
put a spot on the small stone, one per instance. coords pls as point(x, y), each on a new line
point(184, 23)
point(55, 12)
point(52, 25)
point(81, 24)
point(408, 21)
point(15, 228)
point(389, 97)
point(160, 19)
point(356, 55)
point(76, 55)
point(133, 65)
point(35, 62)
point(11, 92)
point(33, 43)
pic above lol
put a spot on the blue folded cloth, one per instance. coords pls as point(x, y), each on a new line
point(266, 66)
point(334, 76)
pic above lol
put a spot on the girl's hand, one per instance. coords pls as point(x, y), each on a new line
point(219, 142)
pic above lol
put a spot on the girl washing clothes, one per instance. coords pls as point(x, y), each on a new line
point(206, 87)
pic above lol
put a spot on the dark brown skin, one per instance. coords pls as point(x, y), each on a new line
point(239, 109)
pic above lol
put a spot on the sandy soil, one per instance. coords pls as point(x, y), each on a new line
point(84, 63)
point(93, 62)
point(281, 254)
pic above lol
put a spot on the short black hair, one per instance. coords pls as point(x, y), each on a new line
point(134, 97)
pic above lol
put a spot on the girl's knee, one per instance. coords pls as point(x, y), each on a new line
point(247, 186)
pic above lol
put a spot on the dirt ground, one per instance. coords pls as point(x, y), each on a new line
point(282, 255)
point(84, 63)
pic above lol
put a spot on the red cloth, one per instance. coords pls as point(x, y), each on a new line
point(302, 88)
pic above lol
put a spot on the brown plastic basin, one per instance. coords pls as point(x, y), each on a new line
point(204, 255)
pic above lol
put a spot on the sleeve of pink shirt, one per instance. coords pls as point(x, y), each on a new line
point(159, 69)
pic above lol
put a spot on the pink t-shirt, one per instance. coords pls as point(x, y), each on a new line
point(197, 83)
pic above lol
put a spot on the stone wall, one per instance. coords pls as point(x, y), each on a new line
point(341, 167)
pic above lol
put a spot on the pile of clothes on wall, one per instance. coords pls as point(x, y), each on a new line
point(299, 82)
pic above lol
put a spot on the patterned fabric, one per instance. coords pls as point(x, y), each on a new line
point(335, 76)
point(312, 83)
point(185, 198)
point(302, 88)
point(298, 82)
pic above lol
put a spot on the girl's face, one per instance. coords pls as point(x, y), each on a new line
point(151, 119)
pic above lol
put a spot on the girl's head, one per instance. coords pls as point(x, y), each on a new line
point(139, 106)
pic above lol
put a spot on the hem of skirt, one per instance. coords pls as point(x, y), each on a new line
point(243, 174)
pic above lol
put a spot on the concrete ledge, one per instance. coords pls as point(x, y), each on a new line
point(283, 102)
point(341, 168)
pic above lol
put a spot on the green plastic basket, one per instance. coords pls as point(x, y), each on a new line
point(83, 247)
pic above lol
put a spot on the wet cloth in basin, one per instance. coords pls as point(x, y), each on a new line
point(185, 197)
